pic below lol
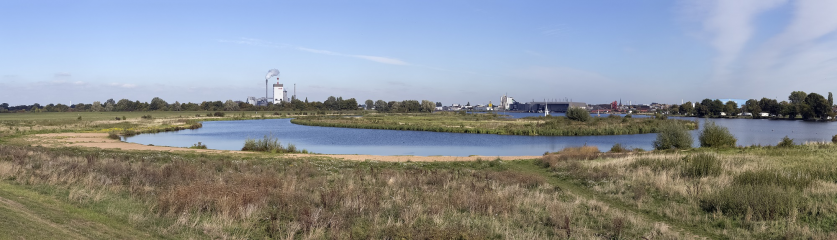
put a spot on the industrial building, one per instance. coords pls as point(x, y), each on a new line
point(540, 106)
point(279, 93)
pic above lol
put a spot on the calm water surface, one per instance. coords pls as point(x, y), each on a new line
point(230, 135)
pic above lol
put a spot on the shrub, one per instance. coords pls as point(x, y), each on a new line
point(581, 153)
point(146, 116)
point(613, 116)
point(786, 142)
point(672, 135)
point(660, 116)
point(79, 118)
point(628, 116)
point(618, 148)
point(578, 114)
point(219, 114)
point(834, 139)
point(113, 135)
point(701, 165)
point(198, 145)
point(715, 136)
point(124, 118)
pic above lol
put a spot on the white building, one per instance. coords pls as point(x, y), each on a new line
point(279, 93)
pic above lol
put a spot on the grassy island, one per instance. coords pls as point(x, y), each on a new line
point(492, 123)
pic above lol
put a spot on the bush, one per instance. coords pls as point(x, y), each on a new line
point(578, 114)
point(146, 116)
point(618, 148)
point(834, 139)
point(198, 145)
point(701, 165)
point(219, 114)
point(715, 136)
point(671, 136)
point(786, 142)
point(113, 135)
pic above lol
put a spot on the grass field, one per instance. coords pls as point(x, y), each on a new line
point(578, 193)
point(494, 124)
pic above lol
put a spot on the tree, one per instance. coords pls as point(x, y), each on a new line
point(369, 104)
point(438, 104)
point(770, 105)
point(731, 108)
point(702, 110)
point(830, 100)
point(176, 106)
point(578, 114)
point(797, 97)
point(158, 104)
point(686, 108)
point(788, 110)
point(468, 104)
point(96, 106)
point(229, 105)
point(331, 103)
point(716, 107)
point(752, 106)
point(818, 105)
point(381, 106)
point(427, 106)
point(109, 105)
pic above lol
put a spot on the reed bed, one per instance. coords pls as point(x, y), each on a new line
point(495, 124)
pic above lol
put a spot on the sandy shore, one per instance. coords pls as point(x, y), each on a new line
point(101, 140)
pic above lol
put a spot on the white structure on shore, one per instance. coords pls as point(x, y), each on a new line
point(279, 93)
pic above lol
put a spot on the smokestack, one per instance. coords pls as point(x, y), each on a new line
point(270, 73)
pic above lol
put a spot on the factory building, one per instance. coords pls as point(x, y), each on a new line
point(540, 106)
point(279, 93)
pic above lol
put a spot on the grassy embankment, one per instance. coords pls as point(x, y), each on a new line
point(129, 123)
point(763, 192)
point(493, 124)
point(739, 193)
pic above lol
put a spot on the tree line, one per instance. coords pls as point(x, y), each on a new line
point(406, 106)
point(808, 106)
point(158, 104)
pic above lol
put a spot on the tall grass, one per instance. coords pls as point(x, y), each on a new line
point(267, 144)
point(212, 196)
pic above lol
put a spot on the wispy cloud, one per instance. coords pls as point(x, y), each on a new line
point(731, 24)
point(261, 43)
point(123, 85)
point(803, 56)
point(551, 30)
point(63, 75)
point(385, 60)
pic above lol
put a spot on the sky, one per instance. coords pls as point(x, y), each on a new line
point(444, 51)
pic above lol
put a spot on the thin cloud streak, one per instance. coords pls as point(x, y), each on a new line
point(731, 23)
point(260, 43)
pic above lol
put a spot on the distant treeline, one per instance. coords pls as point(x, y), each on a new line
point(158, 104)
point(800, 104)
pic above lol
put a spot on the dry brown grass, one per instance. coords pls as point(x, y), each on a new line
point(200, 196)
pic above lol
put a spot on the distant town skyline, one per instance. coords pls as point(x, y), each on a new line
point(443, 51)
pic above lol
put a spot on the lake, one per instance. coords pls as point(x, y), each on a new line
point(230, 135)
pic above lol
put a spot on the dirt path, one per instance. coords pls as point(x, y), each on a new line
point(101, 140)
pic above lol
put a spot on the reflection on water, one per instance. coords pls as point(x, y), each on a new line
point(230, 135)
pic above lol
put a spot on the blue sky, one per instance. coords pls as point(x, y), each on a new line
point(447, 51)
